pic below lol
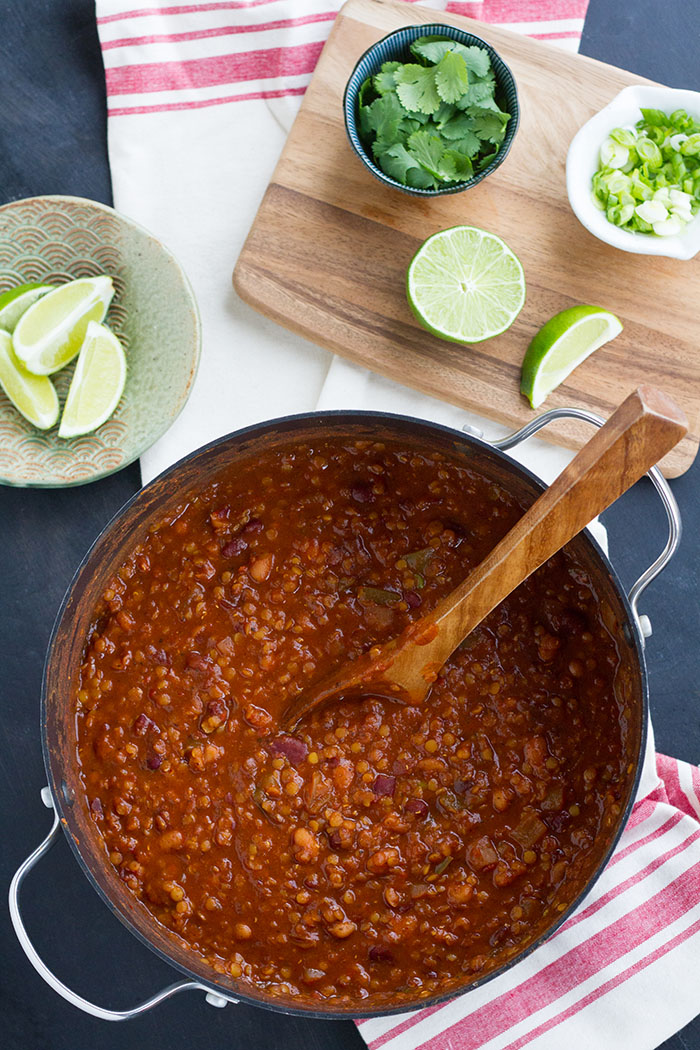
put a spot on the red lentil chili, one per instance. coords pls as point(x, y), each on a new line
point(379, 850)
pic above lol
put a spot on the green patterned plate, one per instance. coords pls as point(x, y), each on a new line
point(154, 314)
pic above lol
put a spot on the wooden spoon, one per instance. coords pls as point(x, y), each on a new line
point(640, 432)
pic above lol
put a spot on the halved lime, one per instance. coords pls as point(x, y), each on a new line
point(15, 301)
point(51, 332)
point(97, 384)
point(564, 342)
point(465, 285)
point(33, 396)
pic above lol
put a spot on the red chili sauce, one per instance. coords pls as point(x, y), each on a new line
point(380, 851)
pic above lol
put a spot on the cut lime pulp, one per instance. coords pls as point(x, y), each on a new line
point(465, 285)
point(33, 396)
point(97, 384)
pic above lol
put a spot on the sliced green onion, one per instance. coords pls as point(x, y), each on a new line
point(648, 177)
point(613, 155)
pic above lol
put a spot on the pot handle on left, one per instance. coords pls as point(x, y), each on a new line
point(213, 998)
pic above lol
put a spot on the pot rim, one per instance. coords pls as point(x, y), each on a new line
point(345, 1013)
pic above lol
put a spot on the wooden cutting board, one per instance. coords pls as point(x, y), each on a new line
point(327, 253)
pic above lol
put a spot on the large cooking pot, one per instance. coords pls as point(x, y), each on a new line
point(65, 794)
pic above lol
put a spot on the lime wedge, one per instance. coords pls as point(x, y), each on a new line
point(51, 332)
point(33, 396)
point(465, 285)
point(563, 343)
point(15, 301)
point(97, 384)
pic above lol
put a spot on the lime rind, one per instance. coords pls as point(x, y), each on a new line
point(34, 397)
point(465, 285)
point(561, 345)
point(51, 332)
point(97, 384)
point(16, 301)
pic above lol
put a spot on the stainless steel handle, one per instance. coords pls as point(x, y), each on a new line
point(213, 998)
point(657, 479)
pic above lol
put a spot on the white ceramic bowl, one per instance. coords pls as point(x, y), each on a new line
point(582, 163)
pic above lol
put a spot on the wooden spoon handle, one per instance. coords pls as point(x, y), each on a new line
point(640, 432)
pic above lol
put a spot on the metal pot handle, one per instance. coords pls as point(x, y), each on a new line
point(657, 479)
point(213, 998)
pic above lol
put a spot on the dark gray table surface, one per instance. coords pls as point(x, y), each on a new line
point(52, 140)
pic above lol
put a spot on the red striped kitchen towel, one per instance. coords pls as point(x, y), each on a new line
point(200, 97)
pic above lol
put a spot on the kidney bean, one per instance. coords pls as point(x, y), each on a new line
point(144, 724)
point(291, 747)
point(234, 547)
point(418, 806)
point(384, 786)
point(362, 492)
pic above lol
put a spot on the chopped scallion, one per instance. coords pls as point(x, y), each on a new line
point(648, 177)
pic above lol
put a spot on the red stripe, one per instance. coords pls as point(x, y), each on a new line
point(210, 72)
point(669, 771)
point(571, 34)
point(182, 9)
point(205, 34)
point(638, 876)
point(564, 973)
point(520, 10)
point(634, 846)
point(164, 107)
point(609, 986)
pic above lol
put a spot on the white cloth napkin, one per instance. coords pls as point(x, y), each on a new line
point(200, 98)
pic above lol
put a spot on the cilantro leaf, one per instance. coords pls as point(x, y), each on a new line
point(395, 160)
point(477, 60)
point(432, 48)
point(384, 117)
point(489, 124)
point(480, 89)
point(384, 81)
point(459, 127)
point(456, 166)
point(486, 160)
point(415, 86)
point(451, 78)
point(365, 87)
point(428, 150)
point(443, 115)
point(419, 178)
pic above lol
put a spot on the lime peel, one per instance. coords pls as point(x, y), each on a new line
point(465, 285)
point(33, 396)
point(15, 301)
point(563, 343)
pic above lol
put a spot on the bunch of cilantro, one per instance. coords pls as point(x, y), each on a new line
point(435, 121)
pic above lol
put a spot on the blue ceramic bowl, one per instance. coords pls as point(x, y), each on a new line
point(396, 48)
